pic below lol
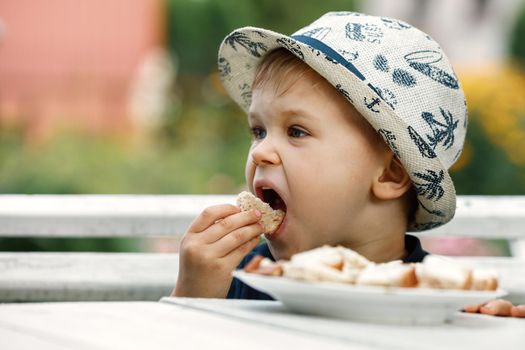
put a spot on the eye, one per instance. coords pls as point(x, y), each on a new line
point(258, 133)
point(296, 132)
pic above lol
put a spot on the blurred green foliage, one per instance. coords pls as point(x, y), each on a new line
point(202, 143)
point(493, 160)
point(517, 44)
point(488, 170)
point(196, 28)
point(72, 244)
point(77, 163)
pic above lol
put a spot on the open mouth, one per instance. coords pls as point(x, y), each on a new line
point(270, 196)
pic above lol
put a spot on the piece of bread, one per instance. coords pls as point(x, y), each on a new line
point(484, 280)
point(352, 259)
point(316, 273)
point(270, 219)
point(343, 265)
point(441, 273)
point(325, 256)
point(391, 274)
point(327, 264)
point(264, 266)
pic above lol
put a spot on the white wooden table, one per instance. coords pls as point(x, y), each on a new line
point(178, 323)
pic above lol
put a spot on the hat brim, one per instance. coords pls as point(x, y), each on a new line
point(241, 52)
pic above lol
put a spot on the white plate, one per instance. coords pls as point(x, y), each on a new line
point(363, 303)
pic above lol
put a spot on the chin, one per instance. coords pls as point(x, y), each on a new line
point(281, 251)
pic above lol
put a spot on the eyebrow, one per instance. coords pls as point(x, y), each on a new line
point(291, 112)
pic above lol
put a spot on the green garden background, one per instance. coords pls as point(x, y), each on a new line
point(201, 143)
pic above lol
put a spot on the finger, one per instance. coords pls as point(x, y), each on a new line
point(472, 308)
point(496, 307)
point(518, 311)
point(240, 252)
point(229, 224)
point(237, 238)
point(211, 215)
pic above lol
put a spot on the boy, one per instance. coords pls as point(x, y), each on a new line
point(355, 120)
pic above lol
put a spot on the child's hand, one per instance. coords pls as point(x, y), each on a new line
point(214, 245)
point(498, 307)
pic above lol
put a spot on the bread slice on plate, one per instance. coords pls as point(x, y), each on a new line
point(391, 274)
point(328, 264)
point(442, 273)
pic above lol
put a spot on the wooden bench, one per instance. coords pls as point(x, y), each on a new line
point(149, 276)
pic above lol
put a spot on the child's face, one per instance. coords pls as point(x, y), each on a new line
point(310, 147)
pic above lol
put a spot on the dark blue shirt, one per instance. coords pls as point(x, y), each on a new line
point(239, 290)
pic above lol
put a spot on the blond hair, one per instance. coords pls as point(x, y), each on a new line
point(282, 69)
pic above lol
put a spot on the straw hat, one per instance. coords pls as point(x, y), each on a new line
point(395, 75)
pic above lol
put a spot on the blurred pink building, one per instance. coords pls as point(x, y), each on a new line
point(72, 62)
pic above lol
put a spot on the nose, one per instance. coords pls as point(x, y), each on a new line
point(265, 153)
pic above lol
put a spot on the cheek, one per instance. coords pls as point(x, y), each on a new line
point(249, 171)
point(335, 182)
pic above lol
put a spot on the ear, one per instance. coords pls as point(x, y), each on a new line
point(393, 182)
